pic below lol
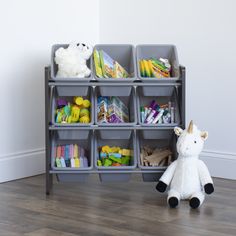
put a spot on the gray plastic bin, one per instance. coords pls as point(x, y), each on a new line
point(155, 139)
point(126, 94)
point(162, 95)
point(68, 92)
point(86, 142)
point(124, 139)
point(54, 67)
point(124, 54)
point(156, 51)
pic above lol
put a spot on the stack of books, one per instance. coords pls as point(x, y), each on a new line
point(106, 67)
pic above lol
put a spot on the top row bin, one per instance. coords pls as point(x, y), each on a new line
point(124, 55)
point(169, 52)
point(127, 57)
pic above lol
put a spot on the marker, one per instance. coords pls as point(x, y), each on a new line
point(161, 111)
point(142, 111)
point(150, 108)
point(152, 119)
point(151, 114)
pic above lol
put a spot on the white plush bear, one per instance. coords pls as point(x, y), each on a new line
point(188, 176)
point(71, 61)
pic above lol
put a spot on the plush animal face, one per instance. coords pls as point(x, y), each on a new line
point(190, 142)
point(85, 50)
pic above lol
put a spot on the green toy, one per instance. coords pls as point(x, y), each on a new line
point(99, 163)
point(107, 162)
point(115, 159)
point(125, 160)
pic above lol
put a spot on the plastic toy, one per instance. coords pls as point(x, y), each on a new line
point(114, 156)
point(84, 112)
point(71, 61)
point(125, 152)
point(86, 103)
point(70, 155)
point(188, 176)
point(73, 113)
point(84, 119)
point(78, 101)
point(156, 113)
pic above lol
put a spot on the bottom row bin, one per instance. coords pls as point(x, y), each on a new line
point(115, 150)
point(72, 150)
point(156, 149)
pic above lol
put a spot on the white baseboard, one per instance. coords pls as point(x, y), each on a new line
point(22, 164)
point(32, 162)
point(220, 164)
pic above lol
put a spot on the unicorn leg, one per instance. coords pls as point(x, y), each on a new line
point(196, 199)
point(173, 198)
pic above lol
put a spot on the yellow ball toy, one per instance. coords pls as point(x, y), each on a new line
point(78, 101)
point(84, 112)
point(84, 119)
point(86, 103)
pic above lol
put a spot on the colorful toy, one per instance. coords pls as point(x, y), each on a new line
point(188, 176)
point(112, 110)
point(156, 113)
point(70, 155)
point(73, 113)
point(86, 103)
point(84, 119)
point(78, 101)
point(71, 61)
point(114, 156)
point(84, 112)
point(158, 68)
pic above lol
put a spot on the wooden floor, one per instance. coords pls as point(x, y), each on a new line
point(133, 208)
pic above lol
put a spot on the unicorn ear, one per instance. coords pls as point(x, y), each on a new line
point(178, 131)
point(204, 135)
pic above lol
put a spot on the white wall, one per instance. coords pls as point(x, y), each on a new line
point(28, 29)
point(204, 33)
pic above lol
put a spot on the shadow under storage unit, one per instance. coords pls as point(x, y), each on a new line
point(113, 127)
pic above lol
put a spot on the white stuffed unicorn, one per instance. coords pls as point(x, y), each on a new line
point(187, 176)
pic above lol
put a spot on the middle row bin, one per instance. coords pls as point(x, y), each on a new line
point(64, 113)
point(93, 144)
point(126, 97)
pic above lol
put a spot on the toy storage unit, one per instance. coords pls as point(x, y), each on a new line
point(134, 92)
